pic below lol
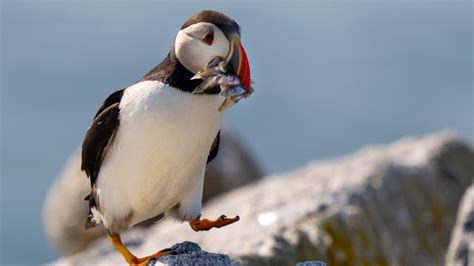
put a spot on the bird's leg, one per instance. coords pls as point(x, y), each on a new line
point(130, 258)
point(205, 224)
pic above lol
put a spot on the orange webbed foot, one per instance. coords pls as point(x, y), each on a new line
point(130, 258)
point(146, 260)
point(205, 224)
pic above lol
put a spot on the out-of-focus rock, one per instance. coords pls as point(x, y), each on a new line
point(385, 205)
point(65, 211)
point(461, 248)
point(234, 166)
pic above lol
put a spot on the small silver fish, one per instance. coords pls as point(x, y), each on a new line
point(228, 80)
point(214, 67)
point(209, 82)
point(216, 74)
point(226, 104)
point(236, 95)
point(210, 74)
point(233, 91)
point(225, 81)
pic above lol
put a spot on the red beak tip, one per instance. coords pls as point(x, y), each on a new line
point(244, 72)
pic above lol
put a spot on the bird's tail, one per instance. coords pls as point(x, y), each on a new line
point(92, 217)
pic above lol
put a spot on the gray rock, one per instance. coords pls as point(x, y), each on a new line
point(461, 248)
point(65, 210)
point(384, 205)
point(189, 253)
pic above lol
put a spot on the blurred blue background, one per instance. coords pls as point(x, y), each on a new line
point(331, 76)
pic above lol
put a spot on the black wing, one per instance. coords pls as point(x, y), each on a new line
point(100, 135)
point(214, 148)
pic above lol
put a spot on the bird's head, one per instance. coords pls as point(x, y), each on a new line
point(209, 34)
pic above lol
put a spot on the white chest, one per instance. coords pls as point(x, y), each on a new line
point(160, 150)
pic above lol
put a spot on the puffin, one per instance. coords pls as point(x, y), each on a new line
point(147, 148)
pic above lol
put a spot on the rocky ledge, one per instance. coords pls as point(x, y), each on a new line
point(384, 205)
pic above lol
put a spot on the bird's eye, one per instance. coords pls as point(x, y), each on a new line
point(209, 38)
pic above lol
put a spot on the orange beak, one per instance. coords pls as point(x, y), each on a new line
point(237, 58)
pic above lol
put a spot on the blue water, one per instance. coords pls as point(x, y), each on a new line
point(331, 76)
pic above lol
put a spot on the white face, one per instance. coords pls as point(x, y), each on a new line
point(197, 44)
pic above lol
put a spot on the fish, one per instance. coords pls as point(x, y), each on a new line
point(216, 73)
